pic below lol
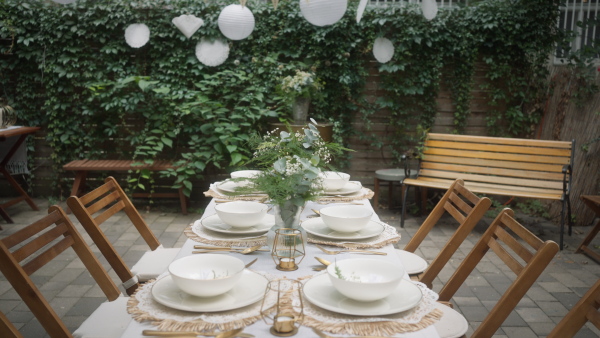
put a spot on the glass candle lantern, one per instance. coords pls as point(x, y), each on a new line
point(286, 315)
point(288, 249)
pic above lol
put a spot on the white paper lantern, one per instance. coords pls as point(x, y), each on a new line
point(137, 35)
point(212, 53)
point(236, 22)
point(383, 50)
point(323, 12)
point(188, 24)
point(361, 9)
point(429, 9)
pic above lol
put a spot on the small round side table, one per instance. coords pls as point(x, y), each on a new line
point(390, 176)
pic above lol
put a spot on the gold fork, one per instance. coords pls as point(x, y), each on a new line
point(335, 252)
point(323, 335)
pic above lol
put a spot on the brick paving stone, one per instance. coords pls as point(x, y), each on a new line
point(534, 315)
point(553, 308)
point(74, 290)
point(539, 294)
point(554, 287)
point(519, 332)
point(542, 329)
point(62, 305)
point(85, 306)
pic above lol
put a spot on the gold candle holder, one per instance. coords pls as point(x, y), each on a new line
point(283, 317)
point(288, 249)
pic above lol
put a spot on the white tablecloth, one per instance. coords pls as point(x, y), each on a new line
point(266, 263)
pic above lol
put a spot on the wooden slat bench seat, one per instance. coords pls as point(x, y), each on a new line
point(82, 167)
point(527, 168)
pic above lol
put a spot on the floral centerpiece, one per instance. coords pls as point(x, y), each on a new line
point(298, 90)
point(291, 163)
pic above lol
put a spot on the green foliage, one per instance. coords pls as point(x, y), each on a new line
point(72, 73)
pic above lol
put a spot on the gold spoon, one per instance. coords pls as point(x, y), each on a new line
point(323, 261)
point(222, 248)
point(243, 252)
point(316, 212)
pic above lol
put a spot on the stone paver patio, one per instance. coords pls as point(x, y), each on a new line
point(74, 295)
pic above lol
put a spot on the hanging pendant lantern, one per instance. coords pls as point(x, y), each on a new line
point(323, 12)
point(236, 22)
point(361, 9)
point(429, 9)
point(137, 35)
point(188, 24)
point(383, 50)
point(212, 53)
point(8, 117)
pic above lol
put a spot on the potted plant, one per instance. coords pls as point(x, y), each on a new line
point(298, 91)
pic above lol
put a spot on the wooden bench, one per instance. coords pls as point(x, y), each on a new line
point(82, 167)
point(498, 166)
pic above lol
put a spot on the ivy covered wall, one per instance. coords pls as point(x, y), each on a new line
point(68, 69)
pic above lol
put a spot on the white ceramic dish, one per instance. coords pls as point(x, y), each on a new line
point(320, 292)
point(350, 188)
point(241, 214)
point(346, 218)
point(206, 275)
point(245, 173)
point(365, 279)
point(250, 291)
point(214, 223)
point(334, 180)
point(316, 226)
point(229, 186)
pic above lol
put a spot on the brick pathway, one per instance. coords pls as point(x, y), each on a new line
point(72, 293)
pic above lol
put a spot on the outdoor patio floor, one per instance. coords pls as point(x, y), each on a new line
point(74, 296)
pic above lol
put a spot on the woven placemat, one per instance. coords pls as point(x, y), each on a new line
point(389, 236)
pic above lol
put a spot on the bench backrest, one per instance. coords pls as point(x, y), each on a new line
point(535, 166)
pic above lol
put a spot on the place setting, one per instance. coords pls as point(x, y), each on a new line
point(231, 189)
point(203, 293)
point(355, 292)
point(349, 226)
point(337, 187)
point(236, 223)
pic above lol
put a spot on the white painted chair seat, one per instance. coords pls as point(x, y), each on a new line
point(413, 264)
point(109, 320)
point(452, 324)
point(153, 263)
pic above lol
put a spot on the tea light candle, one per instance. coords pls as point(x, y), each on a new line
point(287, 263)
point(284, 324)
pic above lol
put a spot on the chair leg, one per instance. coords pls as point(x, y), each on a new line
point(562, 225)
point(403, 215)
point(390, 194)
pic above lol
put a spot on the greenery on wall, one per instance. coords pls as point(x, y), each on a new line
point(71, 72)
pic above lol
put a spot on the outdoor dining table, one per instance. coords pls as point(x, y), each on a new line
point(266, 264)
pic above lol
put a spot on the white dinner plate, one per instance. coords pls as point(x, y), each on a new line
point(230, 186)
point(350, 188)
point(214, 223)
point(316, 226)
point(319, 291)
point(250, 289)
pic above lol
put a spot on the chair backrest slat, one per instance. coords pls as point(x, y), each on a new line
point(466, 208)
point(498, 239)
point(48, 255)
point(108, 213)
point(39, 242)
point(96, 193)
point(93, 208)
point(53, 226)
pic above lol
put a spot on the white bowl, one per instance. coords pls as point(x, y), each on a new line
point(206, 275)
point(346, 218)
point(241, 214)
point(245, 173)
point(365, 279)
point(334, 180)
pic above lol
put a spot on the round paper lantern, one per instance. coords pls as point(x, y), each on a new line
point(383, 50)
point(361, 9)
point(137, 35)
point(429, 9)
point(323, 12)
point(236, 22)
point(212, 53)
point(188, 24)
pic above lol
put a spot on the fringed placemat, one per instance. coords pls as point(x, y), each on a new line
point(389, 236)
point(364, 193)
point(216, 193)
point(143, 308)
point(415, 319)
point(198, 233)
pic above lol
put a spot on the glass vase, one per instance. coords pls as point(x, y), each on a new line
point(287, 215)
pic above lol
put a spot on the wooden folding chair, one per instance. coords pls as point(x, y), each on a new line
point(466, 208)
point(585, 310)
point(7, 329)
point(99, 205)
point(524, 253)
point(36, 245)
